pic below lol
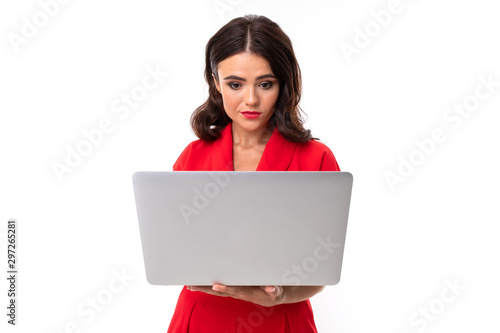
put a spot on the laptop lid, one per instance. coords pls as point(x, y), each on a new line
point(242, 228)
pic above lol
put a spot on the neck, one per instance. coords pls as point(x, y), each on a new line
point(249, 139)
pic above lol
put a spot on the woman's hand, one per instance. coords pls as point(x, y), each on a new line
point(265, 296)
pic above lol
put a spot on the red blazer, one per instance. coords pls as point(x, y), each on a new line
point(279, 155)
point(200, 312)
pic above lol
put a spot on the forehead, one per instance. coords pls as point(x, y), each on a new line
point(244, 64)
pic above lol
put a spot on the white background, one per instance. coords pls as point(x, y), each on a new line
point(405, 245)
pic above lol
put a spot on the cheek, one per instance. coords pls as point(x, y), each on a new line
point(230, 101)
point(272, 98)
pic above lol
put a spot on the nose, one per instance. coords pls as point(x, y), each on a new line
point(251, 96)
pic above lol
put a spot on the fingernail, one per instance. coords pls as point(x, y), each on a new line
point(215, 288)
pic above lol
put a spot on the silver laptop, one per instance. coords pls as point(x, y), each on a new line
point(242, 228)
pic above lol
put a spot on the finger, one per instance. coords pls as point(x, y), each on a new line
point(274, 291)
point(206, 289)
point(224, 289)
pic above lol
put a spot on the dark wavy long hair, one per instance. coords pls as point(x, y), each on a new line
point(263, 37)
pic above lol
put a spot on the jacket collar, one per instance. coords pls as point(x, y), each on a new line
point(276, 157)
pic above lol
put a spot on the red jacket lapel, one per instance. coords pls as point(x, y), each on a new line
point(223, 148)
point(276, 157)
point(278, 153)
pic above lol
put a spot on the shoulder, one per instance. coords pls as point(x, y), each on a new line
point(317, 151)
point(314, 146)
point(207, 155)
point(193, 152)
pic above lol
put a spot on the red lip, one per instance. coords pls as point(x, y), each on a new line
point(251, 114)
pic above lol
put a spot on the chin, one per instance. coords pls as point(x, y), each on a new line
point(251, 125)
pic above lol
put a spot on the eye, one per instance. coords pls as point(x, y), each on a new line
point(234, 85)
point(266, 85)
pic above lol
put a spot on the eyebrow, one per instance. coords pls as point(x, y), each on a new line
point(234, 77)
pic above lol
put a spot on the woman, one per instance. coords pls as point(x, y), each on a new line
point(251, 121)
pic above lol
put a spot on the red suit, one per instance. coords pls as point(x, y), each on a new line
point(198, 312)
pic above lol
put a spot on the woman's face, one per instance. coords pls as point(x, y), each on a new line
point(249, 90)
